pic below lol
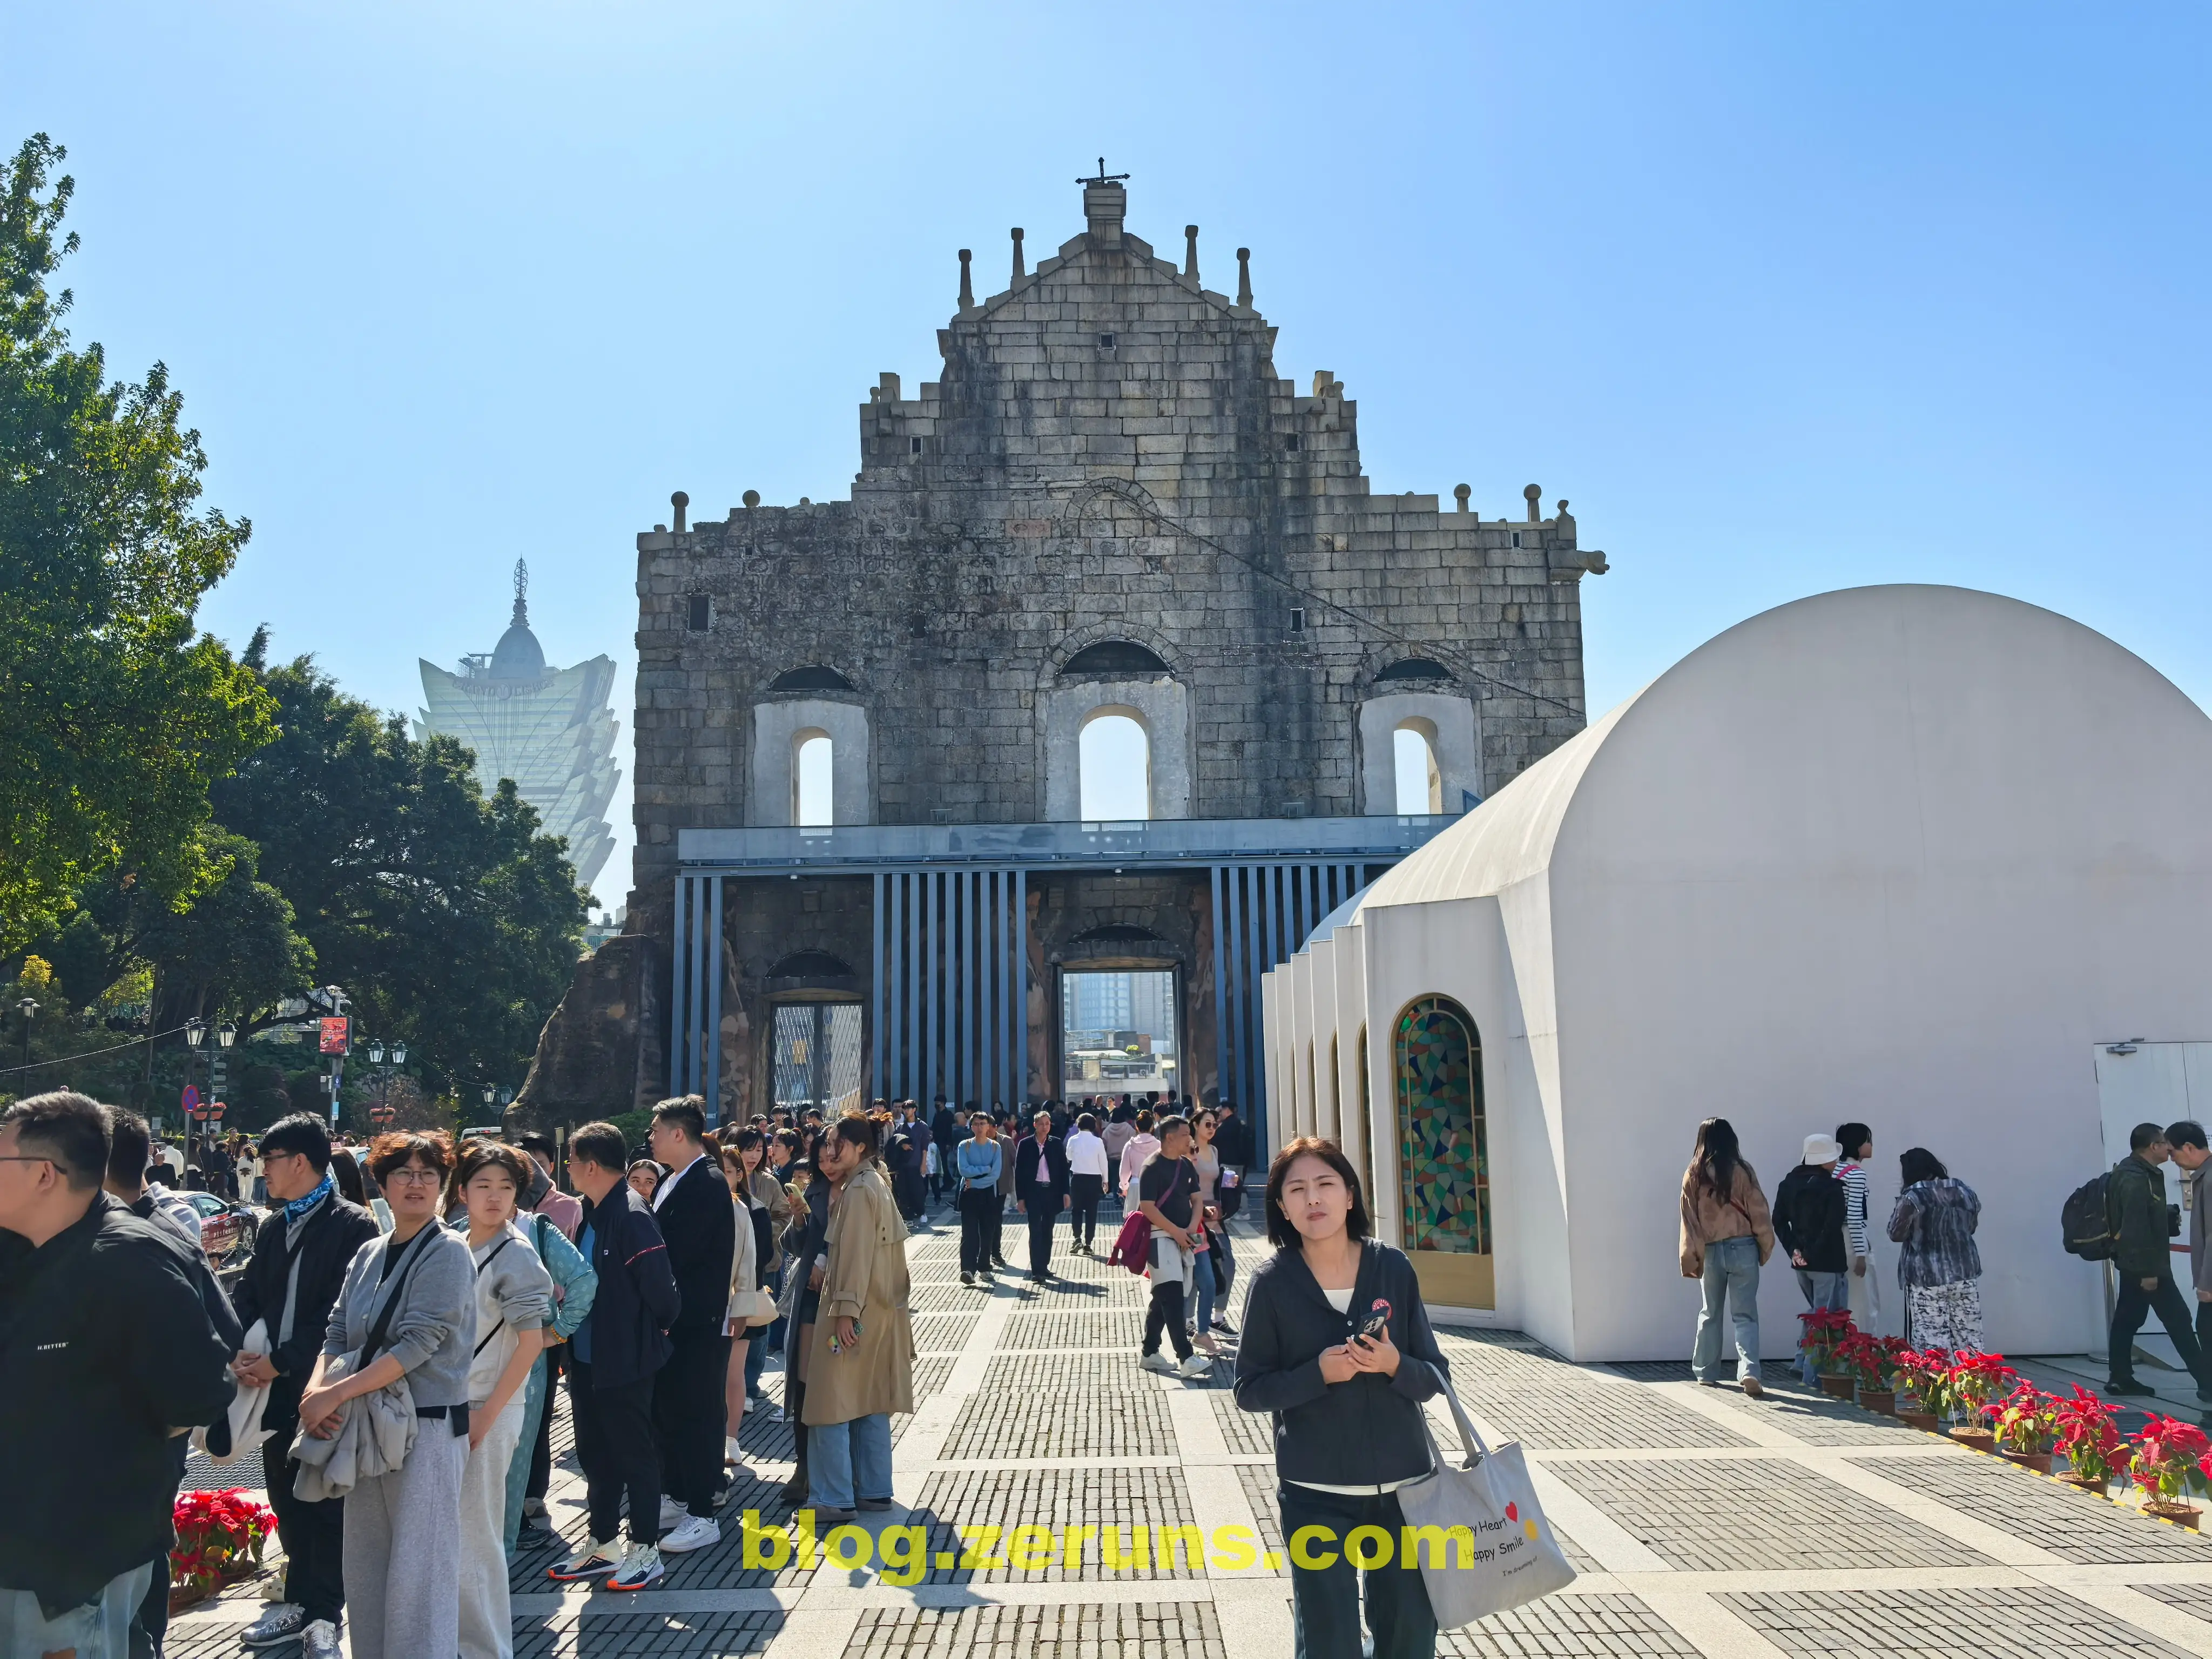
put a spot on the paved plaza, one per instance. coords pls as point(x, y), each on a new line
point(1701, 1522)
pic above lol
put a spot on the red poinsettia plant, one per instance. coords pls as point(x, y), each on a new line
point(1974, 1380)
point(2028, 1420)
point(1925, 1374)
point(2082, 1429)
point(219, 1535)
point(2170, 1457)
point(1825, 1330)
point(1864, 1357)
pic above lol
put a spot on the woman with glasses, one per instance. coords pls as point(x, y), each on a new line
point(402, 1547)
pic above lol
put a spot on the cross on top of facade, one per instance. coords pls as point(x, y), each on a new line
point(1105, 177)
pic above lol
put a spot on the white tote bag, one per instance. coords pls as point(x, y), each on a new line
point(1515, 1557)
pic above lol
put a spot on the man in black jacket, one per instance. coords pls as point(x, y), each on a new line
point(106, 1353)
point(1040, 1189)
point(1809, 1208)
point(298, 1267)
point(948, 1131)
point(699, 1221)
point(614, 1358)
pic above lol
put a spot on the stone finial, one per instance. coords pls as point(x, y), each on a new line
point(752, 498)
point(967, 283)
point(887, 388)
point(1105, 205)
point(1534, 496)
point(1460, 493)
point(1190, 252)
point(1019, 271)
point(678, 503)
point(1244, 277)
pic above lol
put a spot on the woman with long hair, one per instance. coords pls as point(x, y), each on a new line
point(1727, 1236)
point(1206, 1234)
point(1337, 1346)
point(744, 1282)
point(1940, 1268)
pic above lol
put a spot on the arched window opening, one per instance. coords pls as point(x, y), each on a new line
point(1114, 659)
point(1420, 785)
point(1313, 1093)
point(1443, 1156)
point(1113, 767)
point(1363, 1157)
point(810, 773)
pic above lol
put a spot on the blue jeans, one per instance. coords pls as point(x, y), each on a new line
point(535, 1406)
point(1822, 1291)
point(1203, 1319)
point(849, 1460)
point(1731, 1271)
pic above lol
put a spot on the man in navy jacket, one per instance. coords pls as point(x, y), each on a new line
point(699, 1219)
point(1041, 1188)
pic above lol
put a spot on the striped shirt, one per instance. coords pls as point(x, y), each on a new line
point(1853, 1175)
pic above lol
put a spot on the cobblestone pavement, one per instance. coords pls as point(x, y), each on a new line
point(1703, 1523)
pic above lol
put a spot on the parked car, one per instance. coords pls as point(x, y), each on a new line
point(227, 1230)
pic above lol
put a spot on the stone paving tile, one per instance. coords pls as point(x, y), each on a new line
point(943, 1333)
point(1259, 1482)
point(2016, 1622)
point(1124, 1290)
point(2195, 1600)
point(1148, 1630)
point(1074, 1422)
point(1042, 1325)
point(950, 1296)
point(1248, 1433)
point(1560, 1627)
point(571, 1635)
point(1592, 1416)
point(2072, 1525)
point(1123, 1497)
point(1813, 1418)
point(1756, 1513)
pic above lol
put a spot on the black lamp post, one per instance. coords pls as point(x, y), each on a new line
point(29, 1007)
point(195, 1032)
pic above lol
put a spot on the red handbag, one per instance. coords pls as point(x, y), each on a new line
point(1133, 1246)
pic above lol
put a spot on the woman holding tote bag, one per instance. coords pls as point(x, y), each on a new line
point(1335, 1335)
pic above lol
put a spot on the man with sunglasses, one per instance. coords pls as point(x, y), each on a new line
point(106, 1353)
point(298, 1267)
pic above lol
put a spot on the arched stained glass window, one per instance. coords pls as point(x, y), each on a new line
point(1443, 1161)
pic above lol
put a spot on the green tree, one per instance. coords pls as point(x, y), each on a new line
point(445, 914)
point(113, 716)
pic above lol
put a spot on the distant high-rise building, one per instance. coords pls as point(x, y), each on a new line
point(552, 730)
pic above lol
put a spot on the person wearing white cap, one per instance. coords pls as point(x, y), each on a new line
point(1809, 1220)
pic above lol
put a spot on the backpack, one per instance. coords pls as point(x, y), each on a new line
point(1133, 1246)
point(2085, 1222)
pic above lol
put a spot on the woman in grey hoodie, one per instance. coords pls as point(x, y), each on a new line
point(402, 1529)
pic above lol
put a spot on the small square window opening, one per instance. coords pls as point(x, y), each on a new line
point(701, 619)
point(1291, 443)
point(1105, 343)
point(914, 445)
point(1298, 620)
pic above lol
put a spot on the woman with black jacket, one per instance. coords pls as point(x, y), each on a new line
point(1337, 1346)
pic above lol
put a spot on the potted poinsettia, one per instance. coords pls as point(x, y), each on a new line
point(2085, 1434)
point(1923, 1374)
point(2027, 1422)
point(2169, 1460)
point(1825, 1329)
point(1864, 1360)
point(1976, 1379)
point(220, 1535)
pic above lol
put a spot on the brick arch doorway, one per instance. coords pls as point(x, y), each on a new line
point(1118, 1021)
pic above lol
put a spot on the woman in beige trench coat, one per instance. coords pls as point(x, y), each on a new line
point(859, 1362)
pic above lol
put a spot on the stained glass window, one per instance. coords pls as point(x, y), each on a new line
point(1444, 1159)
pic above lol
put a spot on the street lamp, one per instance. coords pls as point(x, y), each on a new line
point(29, 1007)
point(195, 1031)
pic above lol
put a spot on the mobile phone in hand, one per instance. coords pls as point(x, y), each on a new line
point(1377, 1322)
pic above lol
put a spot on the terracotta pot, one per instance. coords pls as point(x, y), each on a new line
point(2099, 1483)
point(2039, 1461)
point(1924, 1421)
point(1838, 1388)
point(1980, 1439)
point(2182, 1515)
point(1880, 1401)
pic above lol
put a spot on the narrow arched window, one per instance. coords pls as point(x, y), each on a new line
point(1443, 1156)
point(1113, 762)
point(1420, 785)
point(812, 803)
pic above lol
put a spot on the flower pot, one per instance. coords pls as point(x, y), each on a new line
point(2039, 1461)
point(2099, 1483)
point(1880, 1401)
point(1981, 1440)
point(1924, 1421)
point(2182, 1515)
point(1838, 1388)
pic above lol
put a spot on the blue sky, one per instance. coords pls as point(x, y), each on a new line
point(1783, 297)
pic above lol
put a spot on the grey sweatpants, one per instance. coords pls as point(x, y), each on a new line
point(403, 1552)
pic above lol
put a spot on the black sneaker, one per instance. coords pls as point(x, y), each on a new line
point(967, 1278)
point(2129, 1390)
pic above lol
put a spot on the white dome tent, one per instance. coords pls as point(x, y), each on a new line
point(1909, 855)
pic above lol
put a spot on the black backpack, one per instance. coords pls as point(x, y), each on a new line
point(2086, 1223)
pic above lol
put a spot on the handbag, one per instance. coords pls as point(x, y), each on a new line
point(1515, 1556)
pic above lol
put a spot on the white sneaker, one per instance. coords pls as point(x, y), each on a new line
point(320, 1641)
point(282, 1624)
point(589, 1562)
point(672, 1514)
point(695, 1532)
point(1157, 1362)
point(1197, 1366)
point(640, 1567)
point(729, 1453)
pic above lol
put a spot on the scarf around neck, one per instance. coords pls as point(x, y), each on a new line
point(300, 1206)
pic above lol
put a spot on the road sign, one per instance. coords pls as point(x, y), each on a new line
point(334, 1035)
point(192, 1098)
